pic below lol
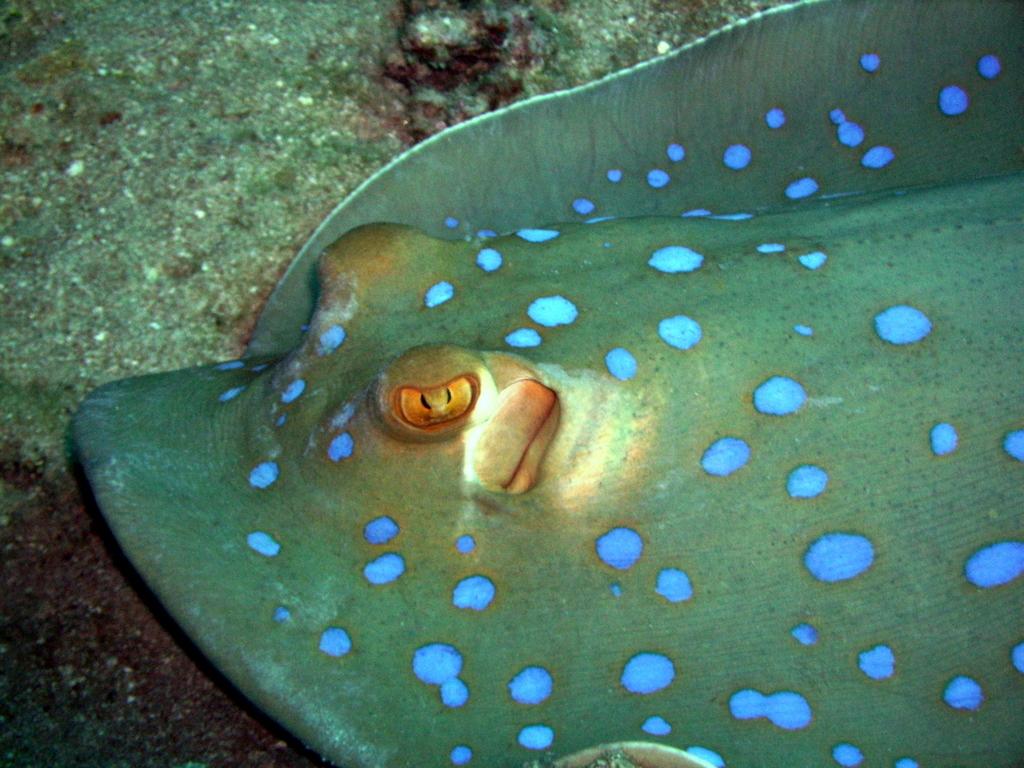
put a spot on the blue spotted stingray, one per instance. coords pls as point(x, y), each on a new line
point(685, 408)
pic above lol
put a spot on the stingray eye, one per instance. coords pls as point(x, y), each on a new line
point(434, 408)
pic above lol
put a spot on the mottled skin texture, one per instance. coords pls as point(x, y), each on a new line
point(625, 454)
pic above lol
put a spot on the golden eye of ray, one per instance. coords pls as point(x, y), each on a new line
point(439, 407)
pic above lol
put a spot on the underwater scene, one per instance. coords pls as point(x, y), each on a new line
point(672, 419)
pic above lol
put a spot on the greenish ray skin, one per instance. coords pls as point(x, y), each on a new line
point(627, 453)
point(523, 165)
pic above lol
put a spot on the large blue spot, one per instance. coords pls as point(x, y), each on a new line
point(801, 188)
point(943, 439)
point(620, 363)
point(1017, 657)
point(488, 259)
point(583, 206)
point(869, 62)
point(989, 66)
point(674, 585)
point(380, 530)
point(779, 396)
point(806, 482)
point(675, 152)
point(334, 641)
point(474, 593)
point(775, 117)
point(438, 294)
point(953, 100)
point(384, 569)
point(679, 331)
point(461, 755)
point(263, 475)
point(523, 338)
point(902, 324)
point(537, 235)
point(1013, 444)
point(536, 737)
point(331, 339)
point(707, 754)
point(736, 156)
point(725, 456)
point(340, 447)
point(963, 693)
point(657, 178)
point(435, 663)
point(675, 258)
point(805, 634)
point(531, 685)
point(849, 134)
point(877, 157)
point(813, 260)
point(656, 726)
point(647, 672)
point(996, 564)
point(293, 390)
point(264, 543)
point(847, 755)
point(550, 311)
point(878, 663)
point(454, 692)
point(839, 556)
point(784, 709)
point(620, 548)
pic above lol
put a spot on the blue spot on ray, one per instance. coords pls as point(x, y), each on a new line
point(488, 259)
point(331, 339)
point(230, 394)
point(878, 663)
point(679, 331)
point(953, 100)
point(614, 175)
point(805, 634)
point(963, 692)
point(1017, 657)
point(847, 755)
point(454, 692)
point(813, 260)
point(996, 564)
point(537, 235)
point(869, 62)
point(905, 762)
point(673, 259)
point(435, 663)
point(849, 134)
point(523, 338)
point(380, 530)
point(620, 548)
point(736, 156)
point(646, 673)
point(465, 544)
point(531, 685)
point(902, 324)
point(657, 178)
point(620, 363)
point(675, 152)
point(461, 755)
point(801, 188)
point(877, 157)
point(779, 396)
point(473, 593)
point(551, 311)
point(582, 206)
point(264, 475)
point(293, 390)
point(340, 447)
point(725, 456)
point(451, 222)
point(1013, 444)
point(775, 118)
point(943, 439)
point(384, 569)
point(656, 726)
point(806, 482)
point(839, 556)
point(264, 543)
point(771, 248)
point(784, 709)
point(334, 641)
point(438, 294)
point(230, 365)
point(707, 754)
point(803, 330)
point(536, 737)
point(674, 585)
point(989, 66)
point(281, 614)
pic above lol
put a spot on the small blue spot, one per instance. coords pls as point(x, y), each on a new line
point(380, 530)
point(906, 762)
point(953, 100)
point(523, 337)
point(803, 330)
point(902, 324)
point(878, 663)
point(779, 396)
point(771, 248)
point(813, 260)
point(263, 366)
point(736, 156)
point(435, 663)
point(673, 259)
point(331, 339)
point(989, 66)
point(281, 614)
point(657, 178)
point(340, 447)
point(263, 543)
point(801, 188)
point(537, 235)
point(465, 544)
point(231, 394)
point(877, 157)
point(451, 222)
point(384, 569)
point(486, 233)
point(1017, 657)
point(230, 365)
point(551, 311)
point(694, 213)
point(615, 588)
point(335, 642)
point(263, 475)
point(536, 737)
point(943, 438)
point(679, 331)
point(674, 585)
point(293, 390)
point(847, 755)
point(280, 420)
point(582, 206)
point(614, 175)
point(806, 482)
point(775, 117)
point(461, 755)
point(837, 117)
point(733, 216)
point(620, 548)
point(839, 556)
point(621, 364)
point(963, 693)
point(531, 685)
point(869, 62)
point(474, 593)
point(850, 134)
point(804, 634)
point(647, 672)
point(675, 152)
point(1013, 444)
point(707, 754)
point(725, 456)
point(656, 726)
point(488, 259)
point(454, 692)
point(438, 294)
point(784, 709)
point(996, 564)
